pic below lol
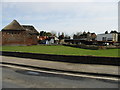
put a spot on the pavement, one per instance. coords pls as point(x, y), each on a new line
point(89, 68)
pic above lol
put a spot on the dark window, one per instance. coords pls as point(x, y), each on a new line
point(104, 38)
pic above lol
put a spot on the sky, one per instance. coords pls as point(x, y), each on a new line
point(62, 16)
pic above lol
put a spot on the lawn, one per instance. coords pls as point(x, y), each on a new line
point(62, 50)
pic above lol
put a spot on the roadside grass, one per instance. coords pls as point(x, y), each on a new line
point(62, 50)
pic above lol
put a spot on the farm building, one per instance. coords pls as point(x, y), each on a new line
point(16, 34)
point(30, 29)
point(107, 37)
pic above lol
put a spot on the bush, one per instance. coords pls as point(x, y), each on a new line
point(101, 47)
point(93, 47)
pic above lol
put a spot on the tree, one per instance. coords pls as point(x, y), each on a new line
point(48, 34)
point(84, 32)
point(42, 33)
point(106, 32)
point(84, 35)
point(67, 37)
point(61, 37)
point(62, 33)
point(53, 33)
point(74, 36)
point(58, 34)
point(77, 35)
point(88, 32)
point(114, 31)
point(93, 36)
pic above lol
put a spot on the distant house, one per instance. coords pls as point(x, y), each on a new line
point(42, 39)
point(88, 36)
point(16, 34)
point(107, 37)
point(48, 40)
point(85, 36)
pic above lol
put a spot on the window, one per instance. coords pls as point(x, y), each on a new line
point(103, 38)
point(110, 39)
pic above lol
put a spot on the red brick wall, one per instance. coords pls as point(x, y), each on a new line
point(19, 38)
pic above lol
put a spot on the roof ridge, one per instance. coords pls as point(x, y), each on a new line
point(14, 25)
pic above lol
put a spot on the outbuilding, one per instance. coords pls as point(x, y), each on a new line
point(107, 37)
point(16, 34)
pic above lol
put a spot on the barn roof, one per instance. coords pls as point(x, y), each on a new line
point(14, 25)
point(30, 29)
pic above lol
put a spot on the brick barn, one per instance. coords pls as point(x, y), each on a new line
point(16, 34)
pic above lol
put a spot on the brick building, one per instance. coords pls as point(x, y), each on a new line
point(16, 34)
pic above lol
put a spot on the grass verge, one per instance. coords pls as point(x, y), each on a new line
point(62, 50)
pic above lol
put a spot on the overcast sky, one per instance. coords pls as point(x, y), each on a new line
point(69, 17)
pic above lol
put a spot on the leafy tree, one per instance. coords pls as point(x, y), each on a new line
point(53, 33)
point(88, 32)
point(114, 31)
point(87, 35)
point(77, 35)
point(93, 36)
point(42, 33)
point(61, 36)
point(48, 34)
point(106, 32)
point(74, 36)
point(67, 37)
point(84, 32)
point(62, 33)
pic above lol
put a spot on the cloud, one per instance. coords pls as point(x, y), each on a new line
point(60, 0)
point(67, 17)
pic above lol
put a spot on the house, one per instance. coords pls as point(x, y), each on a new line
point(48, 40)
point(85, 36)
point(42, 39)
point(107, 37)
point(16, 34)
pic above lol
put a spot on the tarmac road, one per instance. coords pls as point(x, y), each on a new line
point(18, 78)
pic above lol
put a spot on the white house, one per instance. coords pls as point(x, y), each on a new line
point(107, 37)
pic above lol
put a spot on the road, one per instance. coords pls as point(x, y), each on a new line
point(18, 78)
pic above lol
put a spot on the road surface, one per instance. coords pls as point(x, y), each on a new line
point(18, 78)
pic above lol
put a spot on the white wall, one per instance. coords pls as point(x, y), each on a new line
point(110, 36)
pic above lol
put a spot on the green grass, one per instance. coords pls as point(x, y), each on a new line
point(62, 50)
